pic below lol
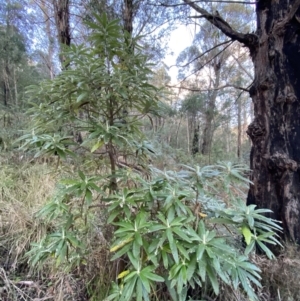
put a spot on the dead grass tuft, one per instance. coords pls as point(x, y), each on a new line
point(24, 189)
point(281, 277)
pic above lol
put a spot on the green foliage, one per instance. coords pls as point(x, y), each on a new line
point(194, 104)
point(17, 72)
point(103, 94)
point(12, 45)
point(47, 144)
point(169, 230)
point(166, 228)
point(257, 229)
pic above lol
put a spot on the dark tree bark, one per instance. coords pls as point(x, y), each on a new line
point(128, 15)
point(4, 94)
point(62, 22)
point(129, 11)
point(195, 148)
point(275, 131)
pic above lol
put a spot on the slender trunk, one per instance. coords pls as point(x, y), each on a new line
point(169, 137)
point(16, 89)
point(113, 167)
point(129, 10)
point(227, 132)
point(177, 132)
point(4, 94)
point(50, 54)
point(275, 130)
point(188, 133)
point(195, 146)
point(199, 135)
point(6, 85)
point(245, 121)
point(239, 140)
point(208, 129)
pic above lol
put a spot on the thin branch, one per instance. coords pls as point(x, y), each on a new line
point(221, 51)
point(228, 1)
point(249, 40)
point(236, 100)
point(242, 67)
point(207, 1)
point(213, 89)
point(202, 54)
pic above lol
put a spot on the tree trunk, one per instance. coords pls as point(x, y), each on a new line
point(188, 133)
point(239, 117)
point(195, 146)
point(16, 89)
point(275, 130)
point(6, 86)
point(128, 14)
point(177, 131)
point(4, 94)
point(50, 54)
point(210, 112)
point(62, 22)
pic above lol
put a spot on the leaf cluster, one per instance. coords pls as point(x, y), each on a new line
point(165, 229)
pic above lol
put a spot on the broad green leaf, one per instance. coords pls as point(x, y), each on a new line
point(172, 245)
point(213, 279)
point(153, 277)
point(200, 251)
point(88, 197)
point(81, 175)
point(128, 288)
point(266, 250)
point(134, 261)
point(179, 231)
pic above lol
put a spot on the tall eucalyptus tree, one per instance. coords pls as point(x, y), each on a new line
point(275, 92)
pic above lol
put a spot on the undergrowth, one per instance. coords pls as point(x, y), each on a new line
point(29, 191)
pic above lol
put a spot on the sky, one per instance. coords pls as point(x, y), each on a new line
point(180, 38)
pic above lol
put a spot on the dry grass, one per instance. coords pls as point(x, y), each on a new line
point(281, 277)
point(24, 189)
